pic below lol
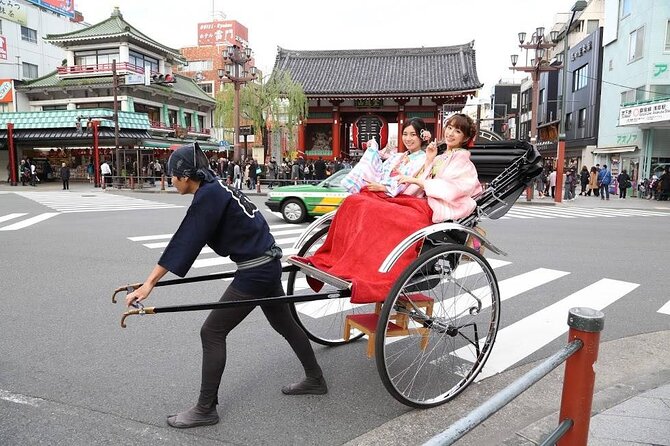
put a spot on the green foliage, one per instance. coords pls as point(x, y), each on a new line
point(223, 112)
point(273, 103)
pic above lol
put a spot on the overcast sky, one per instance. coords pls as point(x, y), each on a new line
point(348, 24)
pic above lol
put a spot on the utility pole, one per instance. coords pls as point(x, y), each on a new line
point(115, 87)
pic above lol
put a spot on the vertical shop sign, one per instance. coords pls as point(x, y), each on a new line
point(3, 48)
point(6, 91)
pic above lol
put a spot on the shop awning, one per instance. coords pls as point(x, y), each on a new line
point(614, 149)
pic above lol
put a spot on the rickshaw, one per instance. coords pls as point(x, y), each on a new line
point(435, 330)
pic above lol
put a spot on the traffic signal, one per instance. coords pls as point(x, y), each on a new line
point(163, 79)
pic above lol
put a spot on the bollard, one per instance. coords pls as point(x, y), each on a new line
point(576, 400)
point(258, 186)
point(162, 182)
point(132, 183)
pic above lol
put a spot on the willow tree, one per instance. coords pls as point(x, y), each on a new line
point(274, 102)
point(223, 112)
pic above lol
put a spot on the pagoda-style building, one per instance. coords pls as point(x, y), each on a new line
point(157, 109)
point(354, 94)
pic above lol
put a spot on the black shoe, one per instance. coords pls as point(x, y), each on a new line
point(195, 416)
point(308, 386)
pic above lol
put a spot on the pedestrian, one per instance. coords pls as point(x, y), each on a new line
point(224, 219)
point(552, 183)
point(320, 169)
point(90, 172)
point(237, 175)
point(65, 176)
point(254, 173)
point(106, 172)
point(158, 170)
point(9, 172)
point(664, 185)
point(593, 181)
point(584, 178)
point(623, 180)
point(272, 169)
point(295, 172)
point(604, 180)
point(33, 174)
point(568, 186)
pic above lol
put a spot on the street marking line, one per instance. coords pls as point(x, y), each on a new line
point(528, 335)
point(29, 221)
point(11, 216)
point(20, 399)
point(665, 309)
point(144, 238)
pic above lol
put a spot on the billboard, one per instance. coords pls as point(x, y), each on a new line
point(14, 12)
point(222, 32)
point(6, 91)
point(63, 7)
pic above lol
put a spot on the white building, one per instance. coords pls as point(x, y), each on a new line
point(24, 54)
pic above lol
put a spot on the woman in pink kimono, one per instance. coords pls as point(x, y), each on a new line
point(448, 180)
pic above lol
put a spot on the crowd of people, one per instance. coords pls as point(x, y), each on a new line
point(599, 182)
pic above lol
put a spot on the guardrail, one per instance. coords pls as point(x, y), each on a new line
point(575, 413)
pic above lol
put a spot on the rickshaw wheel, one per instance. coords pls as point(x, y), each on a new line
point(442, 317)
point(322, 320)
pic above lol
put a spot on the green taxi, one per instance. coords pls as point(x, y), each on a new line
point(296, 203)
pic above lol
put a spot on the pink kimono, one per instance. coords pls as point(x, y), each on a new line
point(449, 185)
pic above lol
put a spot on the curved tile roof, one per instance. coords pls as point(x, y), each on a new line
point(400, 71)
point(115, 28)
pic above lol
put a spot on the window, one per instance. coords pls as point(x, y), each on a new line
point(568, 121)
point(207, 87)
point(95, 57)
point(199, 65)
point(541, 100)
point(626, 7)
point(636, 45)
point(54, 107)
point(140, 61)
point(581, 121)
point(580, 77)
point(28, 34)
point(667, 36)
point(29, 71)
point(630, 96)
point(660, 91)
point(591, 26)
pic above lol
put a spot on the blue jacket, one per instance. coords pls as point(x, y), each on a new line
point(604, 177)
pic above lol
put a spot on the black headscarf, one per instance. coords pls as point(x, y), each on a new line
point(190, 161)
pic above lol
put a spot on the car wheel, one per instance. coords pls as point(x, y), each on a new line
point(293, 211)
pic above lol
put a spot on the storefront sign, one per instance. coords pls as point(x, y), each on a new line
point(581, 50)
point(660, 68)
point(6, 91)
point(13, 11)
point(62, 7)
point(3, 48)
point(641, 114)
point(368, 103)
point(223, 32)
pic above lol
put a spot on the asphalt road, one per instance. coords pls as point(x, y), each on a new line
point(70, 375)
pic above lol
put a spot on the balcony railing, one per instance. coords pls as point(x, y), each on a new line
point(159, 125)
point(100, 69)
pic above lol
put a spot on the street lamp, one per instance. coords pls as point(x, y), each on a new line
point(236, 59)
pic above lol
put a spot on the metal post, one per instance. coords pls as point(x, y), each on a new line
point(236, 136)
point(162, 181)
point(96, 152)
point(535, 77)
point(586, 325)
point(115, 87)
point(13, 164)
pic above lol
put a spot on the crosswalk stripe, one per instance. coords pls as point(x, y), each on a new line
point(528, 335)
point(535, 213)
point(68, 202)
point(11, 216)
point(665, 309)
point(29, 221)
point(144, 238)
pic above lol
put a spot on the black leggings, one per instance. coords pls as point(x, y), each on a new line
point(221, 322)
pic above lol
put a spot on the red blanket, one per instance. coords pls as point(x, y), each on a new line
point(365, 230)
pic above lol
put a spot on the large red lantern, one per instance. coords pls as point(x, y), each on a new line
point(367, 127)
